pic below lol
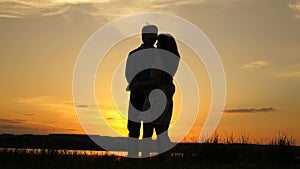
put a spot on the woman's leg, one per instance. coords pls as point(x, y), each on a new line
point(163, 142)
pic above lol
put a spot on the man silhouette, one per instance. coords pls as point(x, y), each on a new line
point(138, 95)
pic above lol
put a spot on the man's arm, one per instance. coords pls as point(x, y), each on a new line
point(130, 70)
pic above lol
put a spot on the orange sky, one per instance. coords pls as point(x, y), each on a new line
point(258, 43)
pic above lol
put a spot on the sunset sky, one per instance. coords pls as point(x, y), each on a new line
point(258, 42)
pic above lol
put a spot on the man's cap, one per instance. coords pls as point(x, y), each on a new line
point(150, 29)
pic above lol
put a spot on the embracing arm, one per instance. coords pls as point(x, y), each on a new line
point(153, 82)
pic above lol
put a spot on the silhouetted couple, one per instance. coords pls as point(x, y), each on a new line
point(149, 72)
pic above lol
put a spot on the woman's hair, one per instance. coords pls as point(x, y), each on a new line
point(167, 42)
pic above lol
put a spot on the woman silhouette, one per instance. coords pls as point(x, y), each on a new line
point(163, 81)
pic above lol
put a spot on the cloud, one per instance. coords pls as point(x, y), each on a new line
point(25, 8)
point(12, 121)
point(102, 105)
point(290, 71)
point(29, 114)
point(33, 100)
point(6, 127)
point(68, 102)
point(71, 129)
point(295, 74)
point(21, 9)
point(256, 64)
point(296, 8)
point(22, 129)
point(295, 65)
point(33, 127)
point(60, 106)
point(46, 100)
point(171, 3)
point(156, 4)
point(110, 118)
point(82, 106)
point(80, 1)
point(106, 106)
point(252, 110)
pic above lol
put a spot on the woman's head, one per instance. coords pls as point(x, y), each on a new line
point(167, 42)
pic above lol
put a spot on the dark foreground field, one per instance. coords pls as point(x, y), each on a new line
point(280, 155)
point(53, 160)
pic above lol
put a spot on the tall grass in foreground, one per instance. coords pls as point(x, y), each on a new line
point(215, 153)
point(280, 150)
point(281, 140)
point(52, 159)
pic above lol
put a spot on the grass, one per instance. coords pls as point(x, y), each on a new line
point(52, 159)
point(215, 153)
point(281, 140)
point(49, 159)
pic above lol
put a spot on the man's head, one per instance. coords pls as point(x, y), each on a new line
point(149, 34)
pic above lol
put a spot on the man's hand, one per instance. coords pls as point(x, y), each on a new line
point(132, 86)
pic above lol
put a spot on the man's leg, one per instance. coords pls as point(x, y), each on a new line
point(147, 139)
point(134, 133)
point(137, 100)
